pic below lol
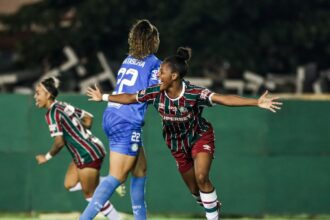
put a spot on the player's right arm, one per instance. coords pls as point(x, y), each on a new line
point(96, 95)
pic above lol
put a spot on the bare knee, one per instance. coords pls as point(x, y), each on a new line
point(140, 171)
point(202, 180)
point(69, 184)
point(88, 194)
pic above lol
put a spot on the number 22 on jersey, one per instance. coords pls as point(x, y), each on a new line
point(125, 81)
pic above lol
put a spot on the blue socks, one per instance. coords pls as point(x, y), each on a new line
point(102, 193)
point(139, 205)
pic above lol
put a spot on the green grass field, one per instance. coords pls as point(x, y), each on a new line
point(75, 216)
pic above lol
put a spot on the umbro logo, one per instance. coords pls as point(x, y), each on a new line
point(207, 147)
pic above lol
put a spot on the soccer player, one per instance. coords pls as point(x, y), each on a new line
point(188, 135)
point(69, 127)
point(123, 123)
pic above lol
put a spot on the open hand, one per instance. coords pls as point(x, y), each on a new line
point(269, 103)
point(94, 94)
point(41, 159)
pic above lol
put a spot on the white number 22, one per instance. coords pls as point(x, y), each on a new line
point(126, 82)
point(135, 136)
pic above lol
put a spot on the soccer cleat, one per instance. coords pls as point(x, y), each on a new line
point(121, 190)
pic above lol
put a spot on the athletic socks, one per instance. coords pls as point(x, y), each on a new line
point(198, 199)
point(211, 205)
point(137, 198)
point(102, 193)
point(108, 210)
point(78, 185)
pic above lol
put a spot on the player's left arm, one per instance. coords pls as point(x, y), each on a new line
point(58, 144)
point(263, 101)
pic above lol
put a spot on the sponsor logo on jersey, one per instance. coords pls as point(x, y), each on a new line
point(204, 93)
point(69, 110)
point(154, 75)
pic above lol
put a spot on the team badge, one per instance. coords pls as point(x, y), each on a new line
point(183, 109)
point(134, 147)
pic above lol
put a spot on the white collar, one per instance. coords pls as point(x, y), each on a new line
point(181, 94)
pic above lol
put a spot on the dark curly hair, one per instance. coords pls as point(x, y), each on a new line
point(143, 39)
point(179, 62)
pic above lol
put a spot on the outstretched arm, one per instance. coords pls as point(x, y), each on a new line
point(264, 101)
point(57, 146)
point(96, 95)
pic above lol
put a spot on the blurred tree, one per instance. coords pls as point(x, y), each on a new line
point(263, 36)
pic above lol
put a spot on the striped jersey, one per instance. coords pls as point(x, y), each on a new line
point(65, 120)
point(133, 75)
point(183, 123)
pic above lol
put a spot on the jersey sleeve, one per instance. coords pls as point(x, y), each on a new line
point(148, 95)
point(70, 110)
point(204, 97)
point(153, 79)
point(53, 119)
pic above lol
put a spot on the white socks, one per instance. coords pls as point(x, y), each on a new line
point(77, 187)
point(108, 210)
point(210, 203)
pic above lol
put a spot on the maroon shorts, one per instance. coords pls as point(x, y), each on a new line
point(95, 164)
point(205, 143)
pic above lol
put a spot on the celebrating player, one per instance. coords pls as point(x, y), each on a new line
point(187, 134)
point(123, 123)
point(69, 127)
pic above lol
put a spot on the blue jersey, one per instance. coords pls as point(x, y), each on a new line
point(133, 76)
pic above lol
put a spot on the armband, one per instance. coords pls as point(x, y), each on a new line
point(48, 156)
point(105, 97)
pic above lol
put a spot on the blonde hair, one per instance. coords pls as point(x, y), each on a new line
point(143, 39)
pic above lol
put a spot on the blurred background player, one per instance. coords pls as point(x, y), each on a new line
point(187, 134)
point(69, 127)
point(123, 123)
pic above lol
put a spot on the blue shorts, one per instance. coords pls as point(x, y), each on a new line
point(123, 137)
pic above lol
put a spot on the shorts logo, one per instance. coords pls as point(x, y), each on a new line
point(207, 147)
point(134, 147)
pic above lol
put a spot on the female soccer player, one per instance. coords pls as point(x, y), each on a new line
point(123, 123)
point(187, 134)
point(69, 127)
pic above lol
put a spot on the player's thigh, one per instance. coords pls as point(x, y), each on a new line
point(89, 179)
point(121, 165)
point(202, 164)
point(71, 176)
point(140, 167)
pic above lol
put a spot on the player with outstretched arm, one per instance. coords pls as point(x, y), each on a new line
point(187, 134)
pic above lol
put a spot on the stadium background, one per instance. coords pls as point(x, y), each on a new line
point(265, 164)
